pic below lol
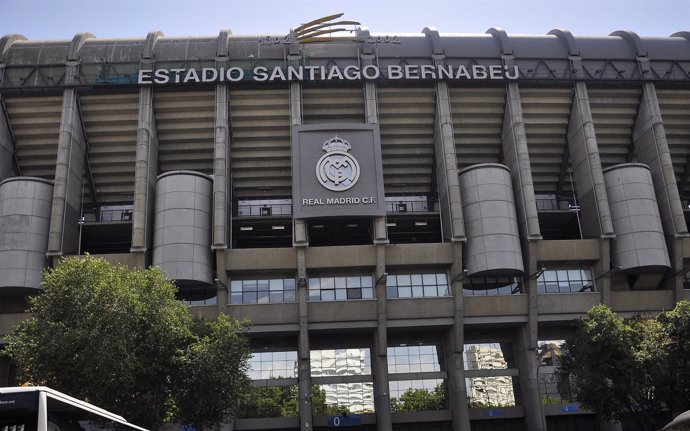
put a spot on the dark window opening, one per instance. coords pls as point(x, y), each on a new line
point(558, 218)
point(340, 231)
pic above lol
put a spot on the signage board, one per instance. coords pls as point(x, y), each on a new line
point(337, 171)
point(344, 421)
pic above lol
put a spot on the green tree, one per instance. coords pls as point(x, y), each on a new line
point(635, 368)
point(118, 338)
point(415, 400)
point(672, 374)
point(269, 401)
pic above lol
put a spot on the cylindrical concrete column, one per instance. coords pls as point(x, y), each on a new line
point(25, 205)
point(182, 235)
point(640, 245)
point(493, 239)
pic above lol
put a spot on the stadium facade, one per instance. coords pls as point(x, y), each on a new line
point(391, 212)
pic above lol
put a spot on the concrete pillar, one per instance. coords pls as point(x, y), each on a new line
point(589, 178)
point(301, 242)
point(67, 191)
point(448, 183)
point(602, 266)
point(516, 157)
point(455, 345)
point(221, 175)
point(651, 148)
point(382, 400)
point(145, 173)
point(528, 363)
point(6, 144)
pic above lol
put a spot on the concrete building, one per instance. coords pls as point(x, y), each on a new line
point(400, 198)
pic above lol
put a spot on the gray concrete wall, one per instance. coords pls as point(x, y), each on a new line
point(6, 144)
point(589, 178)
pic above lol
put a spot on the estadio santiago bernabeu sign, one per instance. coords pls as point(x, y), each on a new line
point(337, 171)
point(328, 73)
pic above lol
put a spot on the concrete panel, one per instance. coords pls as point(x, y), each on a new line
point(24, 227)
point(6, 145)
point(651, 148)
point(262, 259)
point(182, 239)
point(589, 178)
point(648, 300)
point(640, 244)
point(421, 308)
point(419, 254)
point(333, 311)
point(506, 305)
point(493, 239)
point(557, 303)
point(69, 168)
point(264, 314)
point(341, 257)
point(568, 250)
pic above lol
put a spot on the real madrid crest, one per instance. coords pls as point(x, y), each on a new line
point(337, 170)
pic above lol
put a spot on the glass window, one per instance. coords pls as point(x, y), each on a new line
point(565, 281)
point(200, 302)
point(427, 285)
point(489, 356)
point(483, 286)
point(269, 402)
point(417, 395)
point(340, 288)
point(553, 387)
point(262, 291)
point(340, 362)
point(339, 398)
point(492, 391)
point(415, 359)
point(272, 365)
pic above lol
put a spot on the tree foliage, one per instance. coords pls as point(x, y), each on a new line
point(118, 338)
point(415, 400)
point(636, 367)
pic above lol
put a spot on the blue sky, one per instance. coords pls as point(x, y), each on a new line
point(61, 19)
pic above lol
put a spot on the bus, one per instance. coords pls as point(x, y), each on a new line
point(39, 408)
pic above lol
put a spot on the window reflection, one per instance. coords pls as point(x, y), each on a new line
point(414, 359)
point(339, 398)
point(417, 395)
point(483, 286)
point(272, 365)
point(417, 285)
point(340, 288)
point(553, 387)
point(565, 281)
point(262, 291)
point(340, 362)
point(492, 391)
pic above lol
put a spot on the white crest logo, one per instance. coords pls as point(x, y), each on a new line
point(337, 170)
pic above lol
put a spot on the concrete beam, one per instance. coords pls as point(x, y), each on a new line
point(589, 178)
point(8, 155)
point(145, 173)
point(516, 157)
point(651, 147)
point(67, 190)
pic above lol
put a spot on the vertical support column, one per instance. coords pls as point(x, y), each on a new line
point(455, 345)
point(516, 156)
point(595, 212)
point(529, 383)
point(69, 168)
point(453, 226)
point(651, 148)
point(6, 143)
point(384, 421)
point(221, 189)
point(301, 242)
point(145, 173)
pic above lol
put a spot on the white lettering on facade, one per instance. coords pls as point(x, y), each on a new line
point(332, 73)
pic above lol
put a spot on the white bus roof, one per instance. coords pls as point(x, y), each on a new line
point(69, 400)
